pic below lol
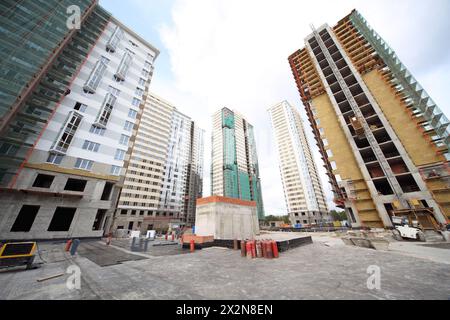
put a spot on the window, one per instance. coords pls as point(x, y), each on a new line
point(114, 41)
point(325, 142)
point(142, 82)
point(43, 181)
point(106, 110)
point(329, 153)
point(115, 170)
point(80, 107)
point(91, 146)
point(124, 139)
point(55, 158)
point(139, 92)
point(321, 131)
point(145, 73)
point(132, 114)
point(107, 190)
point(114, 91)
point(96, 75)
point(62, 219)
point(123, 66)
point(8, 149)
point(25, 218)
point(67, 132)
point(136, 102)
point(84, 164)
point(75, 185)
point(97, 130)
point(120, 154)
point(98, 219)
point(124, 211)
point(128, 126)
point(333, 165)
point(147, 65)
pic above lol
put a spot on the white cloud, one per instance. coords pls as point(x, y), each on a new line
point(234, 53)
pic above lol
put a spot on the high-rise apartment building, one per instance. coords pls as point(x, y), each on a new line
point(69, 100)
point(385, 143)
point(165, 172)
point(303, 192)
point(234, 168)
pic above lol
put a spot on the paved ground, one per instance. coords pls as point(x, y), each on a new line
point(326, 269)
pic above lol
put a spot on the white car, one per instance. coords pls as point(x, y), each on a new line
point(406, 231)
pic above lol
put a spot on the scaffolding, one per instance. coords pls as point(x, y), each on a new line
point(412, 93)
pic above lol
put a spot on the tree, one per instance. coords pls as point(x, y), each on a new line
point(338, 215)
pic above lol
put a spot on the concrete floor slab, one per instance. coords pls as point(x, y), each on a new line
point(316, 271)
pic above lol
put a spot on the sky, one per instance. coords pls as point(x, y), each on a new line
point(233, 53)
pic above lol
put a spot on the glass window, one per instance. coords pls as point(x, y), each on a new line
point(67, 132)
point(115, 170)
point(139, 92)
point(105, 111)
point(96, 75)
point(147, 65)
point(124, 65)
point(142, 82)
point(128, 126)
point(114, 41)
point(120, 154)
point(136, 102)
point(55, 158)
point(132, 114)
point(145, 73)
point(8, 149)
point(97, 130)
point(91, 146)
point(80, 107)
point(333, 165)
point(84, 164)
point(114, 91)
point(124, 139)
point(329, 153)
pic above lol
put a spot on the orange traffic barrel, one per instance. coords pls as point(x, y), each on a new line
point(248, 249)
point(243, 245)
point(192, 245)
point(275, 249)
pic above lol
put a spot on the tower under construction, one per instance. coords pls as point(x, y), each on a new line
point(384, 141)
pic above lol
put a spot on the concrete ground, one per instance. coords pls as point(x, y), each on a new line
point(326, 269)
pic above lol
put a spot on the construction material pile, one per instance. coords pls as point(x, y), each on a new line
point(258, 249)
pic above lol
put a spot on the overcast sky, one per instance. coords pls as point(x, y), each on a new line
point(233, 53)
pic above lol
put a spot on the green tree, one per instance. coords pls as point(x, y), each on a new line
point(338, 215)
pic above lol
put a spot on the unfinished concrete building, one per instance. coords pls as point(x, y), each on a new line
point(384, 141)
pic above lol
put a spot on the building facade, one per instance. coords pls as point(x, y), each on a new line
point(234, 168)
point(165, 172)
point(383, 140)
point(67, 117)
point(303, 192)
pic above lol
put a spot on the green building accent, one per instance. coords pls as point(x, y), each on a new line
point(239, 183)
